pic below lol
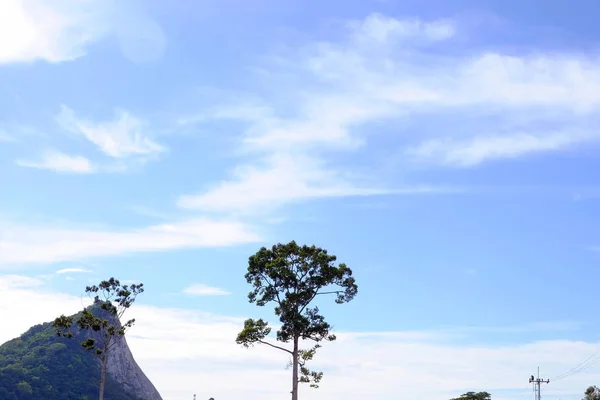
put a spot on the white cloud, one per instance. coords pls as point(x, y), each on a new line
point(72, 271)
point(42, 244)
point(200, 289)
point(438, 107)
point(381, 28)
point(19, 281)
point(60, 162)
point(479, 149)
point(562, 81)
point(425, 81)
point(185, 352)
point(61, 30)
point(120, 138)
point(283, 178)
point(49, 30)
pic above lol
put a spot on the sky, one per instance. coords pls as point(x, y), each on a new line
point(444, 150)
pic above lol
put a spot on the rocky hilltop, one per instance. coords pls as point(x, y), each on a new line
point(41, 366)
point(121, 364)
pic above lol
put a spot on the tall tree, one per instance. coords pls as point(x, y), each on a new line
point(474, 396)
point(291, 277)
point(102, 320)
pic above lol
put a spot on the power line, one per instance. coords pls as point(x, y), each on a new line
point(582, 366)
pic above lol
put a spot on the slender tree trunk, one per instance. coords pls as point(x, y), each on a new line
point(295, 370)
point(103, 375)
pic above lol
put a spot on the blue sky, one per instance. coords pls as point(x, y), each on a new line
point(445, 151)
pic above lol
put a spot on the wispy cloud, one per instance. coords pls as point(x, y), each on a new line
point(42, 244)
point(60, 162)
point(19, 281)
point(479, 149)
point(386, 80)
point(280, 179)
point(381, 28)
point(53, 31)
point(72, 271)
point(200, 289)
point(120, 138)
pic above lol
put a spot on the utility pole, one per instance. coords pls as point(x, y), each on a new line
point(536, 384)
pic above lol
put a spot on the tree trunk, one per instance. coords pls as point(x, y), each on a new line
point(295, 370)
point(104, 360)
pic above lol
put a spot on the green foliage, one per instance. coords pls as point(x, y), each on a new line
point(41, 366)
point(24, 389)
point(291, 277)
point(474, 396)
point(308, 376)
point(110, 303)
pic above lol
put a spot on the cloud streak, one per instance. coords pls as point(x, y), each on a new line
point(282, 179)
point(380, 28)
point(60, 162)
point(477, 150)
point(72, 271)
point(200, 289)
point(41, 244)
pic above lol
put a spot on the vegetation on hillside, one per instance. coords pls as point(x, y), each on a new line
point(41, 366)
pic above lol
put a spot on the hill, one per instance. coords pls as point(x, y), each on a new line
point(41, 366)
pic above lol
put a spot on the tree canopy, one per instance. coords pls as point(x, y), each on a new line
point(474, 396)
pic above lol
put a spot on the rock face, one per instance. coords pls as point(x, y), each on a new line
point(123, 368)
point(121, 364)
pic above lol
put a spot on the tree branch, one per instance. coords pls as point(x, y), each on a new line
point(275, 347)
point(271, 285)
point(111, 342)
point(315, 295)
